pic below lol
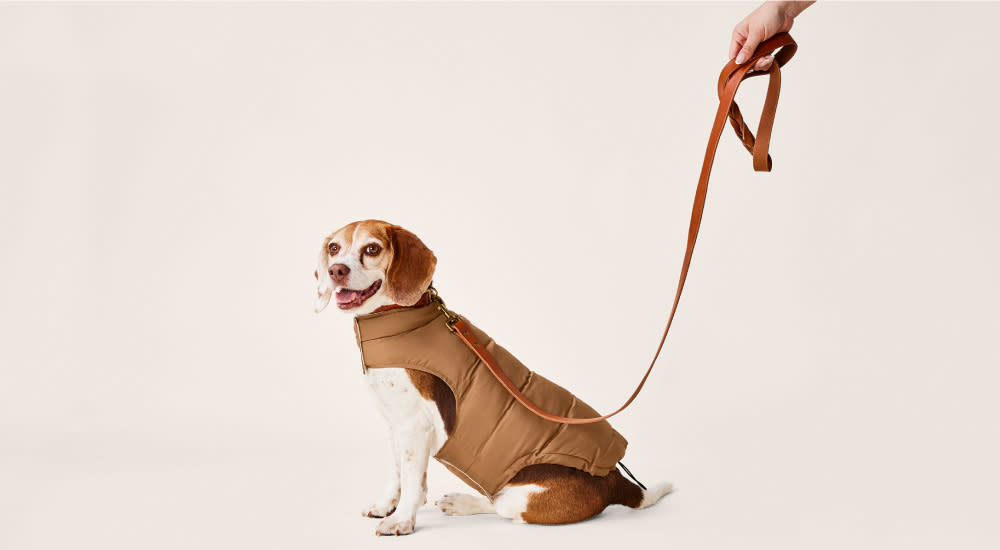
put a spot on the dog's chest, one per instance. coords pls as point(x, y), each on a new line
point(404, 408)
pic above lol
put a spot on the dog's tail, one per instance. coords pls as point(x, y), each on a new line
point(635, 495)
point(651, 495)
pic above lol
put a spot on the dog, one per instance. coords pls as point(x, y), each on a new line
point(373, 266)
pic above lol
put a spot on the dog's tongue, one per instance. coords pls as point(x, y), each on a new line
point(347, 296)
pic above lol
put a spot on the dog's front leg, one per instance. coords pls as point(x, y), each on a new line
point(414, 442)
point(386, 503)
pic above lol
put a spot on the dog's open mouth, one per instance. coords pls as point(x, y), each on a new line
point(347, 298)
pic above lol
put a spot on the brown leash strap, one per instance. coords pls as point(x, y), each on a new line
point(729, 81)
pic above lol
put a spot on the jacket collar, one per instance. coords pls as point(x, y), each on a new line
point(393, 321)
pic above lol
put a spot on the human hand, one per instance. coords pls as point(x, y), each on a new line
point(767, 20)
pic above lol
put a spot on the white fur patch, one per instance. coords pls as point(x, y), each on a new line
point(512, 501)
point(406, 411)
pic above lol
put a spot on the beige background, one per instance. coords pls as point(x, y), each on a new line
point(168, 172)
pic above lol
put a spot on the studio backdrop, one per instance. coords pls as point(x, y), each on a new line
point(168, 172)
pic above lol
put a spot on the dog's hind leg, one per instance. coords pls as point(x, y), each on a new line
point(460, 504)
point(553, 494)
point(513, 500)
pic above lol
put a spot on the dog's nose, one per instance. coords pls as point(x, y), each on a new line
point(339, 272)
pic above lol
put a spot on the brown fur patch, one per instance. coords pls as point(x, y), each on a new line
point(342, 236)
point(433, 388)
point(573, 495)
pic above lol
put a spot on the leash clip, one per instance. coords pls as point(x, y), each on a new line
point(449, 318)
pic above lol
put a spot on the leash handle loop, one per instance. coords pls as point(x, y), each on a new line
point(732, 75)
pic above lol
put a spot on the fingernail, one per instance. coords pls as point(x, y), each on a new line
point(741, 58)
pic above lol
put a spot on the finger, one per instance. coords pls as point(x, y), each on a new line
point(753, 40)
point(764, 63)
point(739, 37)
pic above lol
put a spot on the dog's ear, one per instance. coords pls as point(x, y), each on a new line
point(411, 269)
point(325, 288)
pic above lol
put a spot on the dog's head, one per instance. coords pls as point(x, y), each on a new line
point(369, 264)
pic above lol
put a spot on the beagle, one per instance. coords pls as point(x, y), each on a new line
point(371, 266)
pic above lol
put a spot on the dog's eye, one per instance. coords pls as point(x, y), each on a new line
point(373, 249)
point(333, 248)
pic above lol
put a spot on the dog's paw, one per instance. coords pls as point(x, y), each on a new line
point(379, 510)
point(459, 504)
point(394, 526)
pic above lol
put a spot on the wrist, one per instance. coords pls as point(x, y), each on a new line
point(793, 9)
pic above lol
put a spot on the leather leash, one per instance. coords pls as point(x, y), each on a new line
point(729, 81)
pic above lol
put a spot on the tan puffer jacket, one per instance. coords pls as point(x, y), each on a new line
point(494, 436)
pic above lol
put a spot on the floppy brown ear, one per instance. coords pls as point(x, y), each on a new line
point(411, 269)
